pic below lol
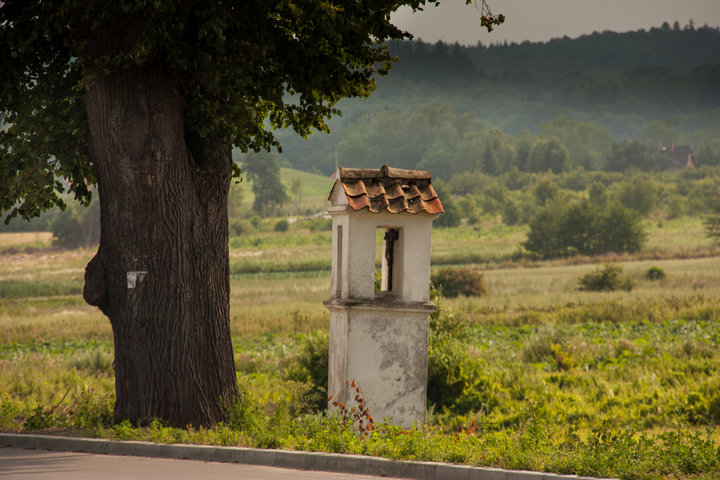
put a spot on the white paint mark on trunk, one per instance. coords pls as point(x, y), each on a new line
point(135, 278)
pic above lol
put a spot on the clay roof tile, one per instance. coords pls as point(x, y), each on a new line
point(394, 190)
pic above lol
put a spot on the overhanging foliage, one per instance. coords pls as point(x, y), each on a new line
point(244, 68)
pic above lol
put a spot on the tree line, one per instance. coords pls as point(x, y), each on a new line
point(436, 135)
point(657, 86)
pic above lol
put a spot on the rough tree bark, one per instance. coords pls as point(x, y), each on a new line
point(163, 197)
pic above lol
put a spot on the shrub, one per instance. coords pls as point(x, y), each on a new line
point(243, 413)
point(125, 431)
point(455, 379)
point(619, 230)
point(564, 359)
point(597, 194)
point(281, 226)
point(607, 278)
point(701, 409)
point(454, 281)
point(239, 227)
point(511, 213)
point(655, 273)
point(40, 419)
point(639, 194)
point(9, 411)
point(545, 191)
point(444, 323)
point(310, 365)
point(451, 217)
point(549, 154)
point(712, 227)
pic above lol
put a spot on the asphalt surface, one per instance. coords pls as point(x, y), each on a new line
point(26, 464)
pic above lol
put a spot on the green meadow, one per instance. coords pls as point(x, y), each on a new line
point(542, 376)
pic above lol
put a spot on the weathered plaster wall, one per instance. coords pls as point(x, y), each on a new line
point(384, 349)
point(337, 362)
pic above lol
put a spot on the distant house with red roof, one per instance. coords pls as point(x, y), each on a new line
point(676, 157)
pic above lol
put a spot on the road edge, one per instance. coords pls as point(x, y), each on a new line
point(318, 461)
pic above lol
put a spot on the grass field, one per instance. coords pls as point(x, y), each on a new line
point(623, 384)
point(21, 241)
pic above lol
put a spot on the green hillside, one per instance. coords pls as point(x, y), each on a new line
point(314, 189)
point(313, 192)
point(655, 86)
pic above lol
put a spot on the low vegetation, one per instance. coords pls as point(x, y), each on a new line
point(712, 227)
point(533, 374)
point(607, 278)
point(655, 273)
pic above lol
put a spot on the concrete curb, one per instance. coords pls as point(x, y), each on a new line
point(327, 462)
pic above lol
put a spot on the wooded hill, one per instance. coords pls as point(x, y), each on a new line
point(656, 86)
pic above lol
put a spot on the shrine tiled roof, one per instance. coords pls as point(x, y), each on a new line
point(390, 189)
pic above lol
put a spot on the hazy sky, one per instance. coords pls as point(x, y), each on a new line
point(541, 20)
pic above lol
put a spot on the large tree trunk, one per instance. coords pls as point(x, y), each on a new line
point(163, 199)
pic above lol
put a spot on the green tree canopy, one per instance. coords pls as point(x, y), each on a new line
point(550, 155)
point(587, 143)
point(639, 193)
point(631, 154)
point(263, 170)
point(563, 229)
point(452, 215)
point(240, 67)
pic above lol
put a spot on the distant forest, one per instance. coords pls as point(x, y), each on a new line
point(545, 134)
point(453, 108)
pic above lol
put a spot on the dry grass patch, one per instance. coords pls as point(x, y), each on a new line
point(19, 239)
point(41, 266)
point(535, 287)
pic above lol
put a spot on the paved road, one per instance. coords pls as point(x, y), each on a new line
point(22, 464)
